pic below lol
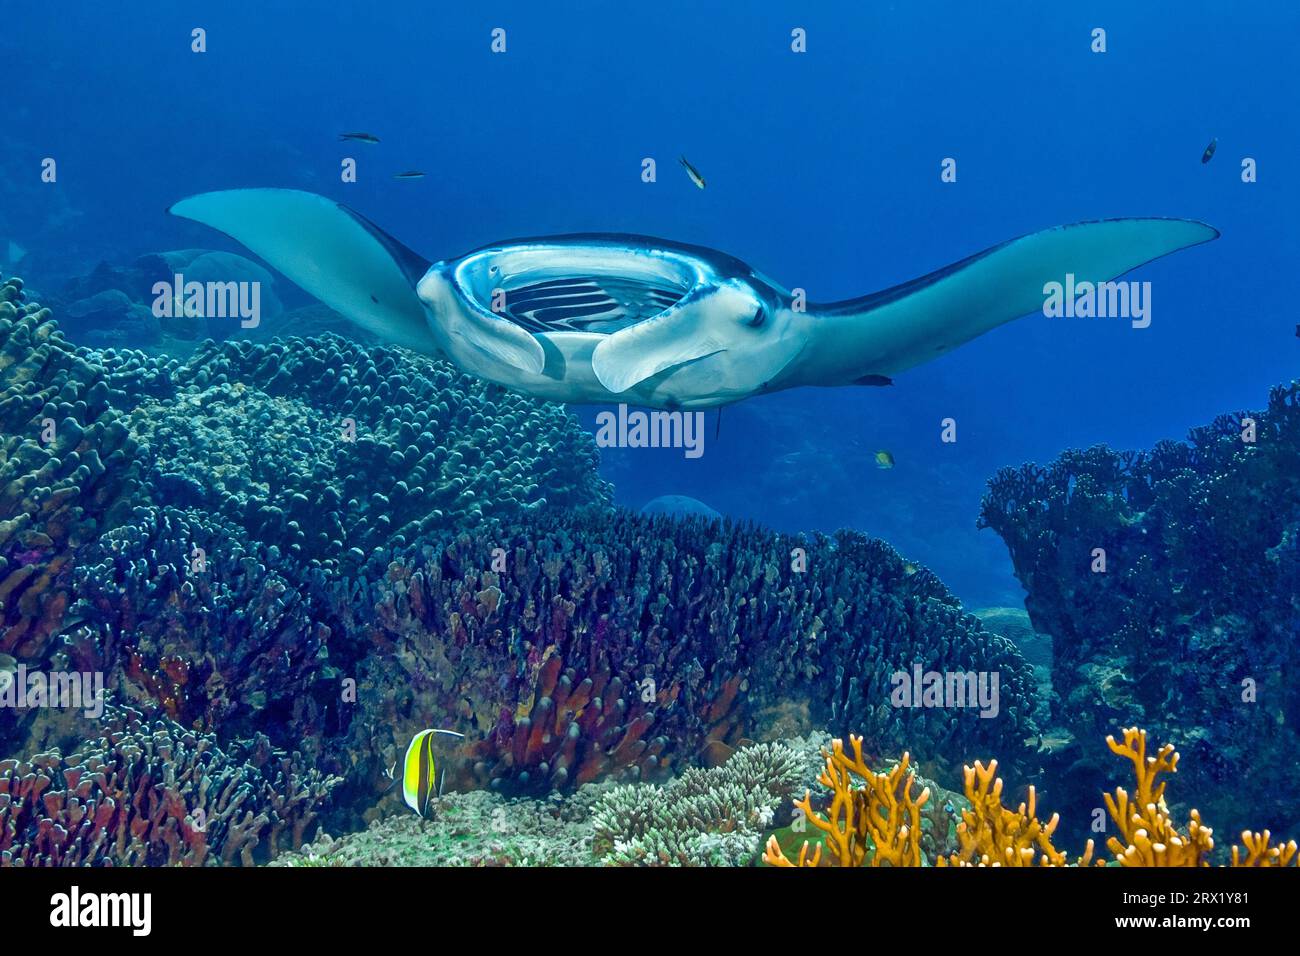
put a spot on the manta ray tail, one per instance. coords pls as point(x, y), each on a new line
point(911, 323)
point(337, 255)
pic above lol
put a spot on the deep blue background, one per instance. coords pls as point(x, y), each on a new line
point(823, 171)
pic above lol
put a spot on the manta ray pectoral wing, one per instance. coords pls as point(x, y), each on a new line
point(673, 337)
point(333, 253)
point(911, 323)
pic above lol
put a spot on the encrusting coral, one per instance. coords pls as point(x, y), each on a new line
point(880, 821)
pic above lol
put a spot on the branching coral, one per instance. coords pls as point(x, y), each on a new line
point(1260, 853)
point(704, 817)
point(181, 612)
point(880, 814)
point(1149, 835)
point(627, 646)
point(989, 834)
point(156, 795)
point(67, 470)
point(881, 818)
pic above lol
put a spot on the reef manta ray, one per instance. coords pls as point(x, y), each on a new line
point(621, 318)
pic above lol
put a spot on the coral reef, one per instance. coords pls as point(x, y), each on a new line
point(477, 828)
point(881, 821)
point(573, 648)
point(184, 615)
point(723, 824)
point(330, 450)
point(67, 470)
point(1190, 625)
point(992, 835)
point(707, 817)
point(155, 794)
point(113, 305)
point(881, 818)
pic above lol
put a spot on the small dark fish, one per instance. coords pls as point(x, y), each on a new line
point(1209, 151)
point(692, 172)
point(410, 174)
point(359, 137)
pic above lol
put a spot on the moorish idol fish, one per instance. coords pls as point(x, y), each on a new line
point(419, 771)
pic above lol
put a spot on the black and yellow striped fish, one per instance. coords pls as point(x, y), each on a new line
point(420, 771)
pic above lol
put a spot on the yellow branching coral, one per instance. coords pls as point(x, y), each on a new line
point(882, 819)
point(876, 824)
point(1150, 837)
point(1259, 853)
point(991, 835)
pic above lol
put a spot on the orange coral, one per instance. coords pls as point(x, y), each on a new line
point(991, 835)
point(1259, 853)
point(1150, 837)
point(881, 816)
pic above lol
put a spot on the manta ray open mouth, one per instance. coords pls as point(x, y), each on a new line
point(552, 287)
point(587, 304)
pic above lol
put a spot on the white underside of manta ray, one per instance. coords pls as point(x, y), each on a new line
point(616, 318)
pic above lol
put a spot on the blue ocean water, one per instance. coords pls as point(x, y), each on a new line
point(823, 171)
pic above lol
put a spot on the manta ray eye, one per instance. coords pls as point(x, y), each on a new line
point(759, 318)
